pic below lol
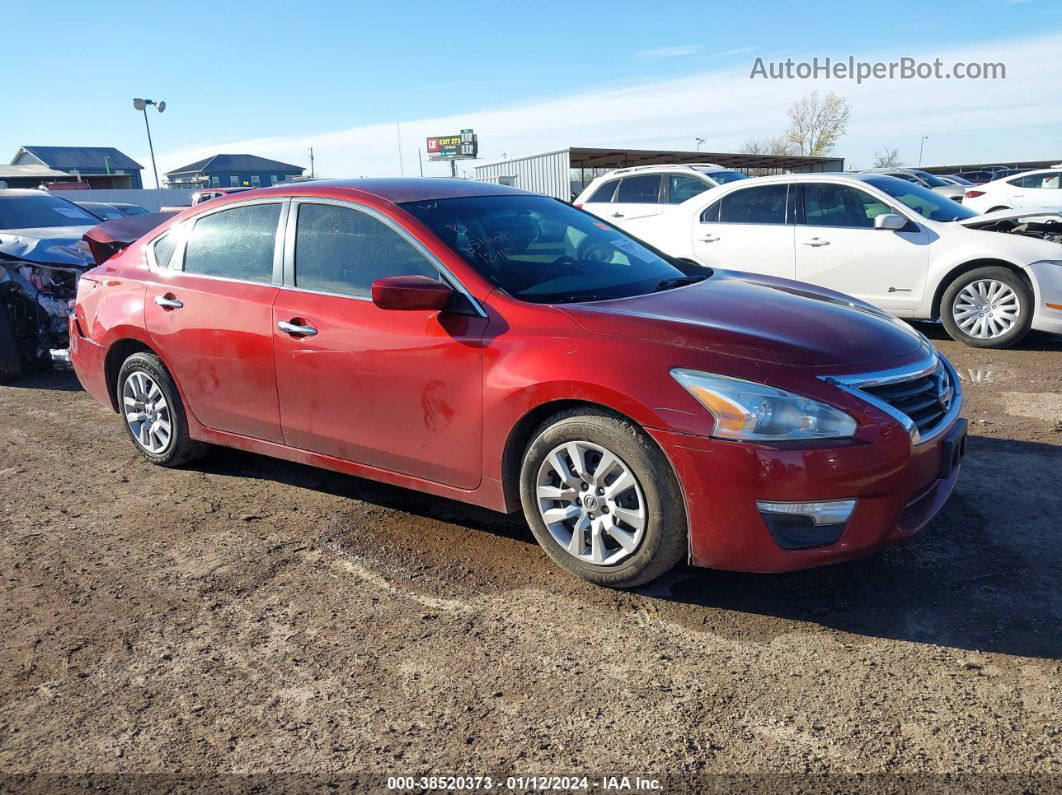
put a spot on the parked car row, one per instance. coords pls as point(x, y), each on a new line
point(730, 382)
point(885, 240)
point(502, 348)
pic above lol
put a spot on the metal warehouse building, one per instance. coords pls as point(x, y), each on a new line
point(563, 173)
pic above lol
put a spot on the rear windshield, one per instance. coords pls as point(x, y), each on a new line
point(723, 177)
point(545, 251)
point(43, 210)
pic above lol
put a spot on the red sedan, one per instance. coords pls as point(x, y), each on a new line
point(505, 349)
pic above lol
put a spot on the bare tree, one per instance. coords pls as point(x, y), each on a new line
point(766, 146)
point(887, 158)
point(815, 124)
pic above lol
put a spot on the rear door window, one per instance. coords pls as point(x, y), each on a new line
point(343, 250)
point(762, 204)
point(643, 189)
point(236, 243)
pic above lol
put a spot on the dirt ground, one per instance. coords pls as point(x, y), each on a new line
point(247, 615)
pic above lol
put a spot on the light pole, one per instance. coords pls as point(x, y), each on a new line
point(141, 104)
point(699, 142)
point(920, 145)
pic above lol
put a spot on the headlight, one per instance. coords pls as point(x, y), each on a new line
point(754, 412)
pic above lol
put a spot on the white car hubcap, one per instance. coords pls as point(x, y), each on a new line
point(986, 309)
point(146, 412)
point(591, 503)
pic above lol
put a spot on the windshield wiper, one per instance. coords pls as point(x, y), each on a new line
point(678, 281)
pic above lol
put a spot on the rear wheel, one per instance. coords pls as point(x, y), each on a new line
point(602, 500)
point(10, 363)
point(987, 307)
point(153, 413)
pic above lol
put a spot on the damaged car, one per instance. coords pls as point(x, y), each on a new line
point(46, 243)
point(42, 255)
point(990, 279)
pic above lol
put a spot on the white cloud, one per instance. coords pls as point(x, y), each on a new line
point(737, 51)
point(965, 119)
point(670, 52)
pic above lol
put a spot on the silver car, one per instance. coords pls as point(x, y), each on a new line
point(926, 180)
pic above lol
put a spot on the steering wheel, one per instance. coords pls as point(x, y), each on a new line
point(575, 264)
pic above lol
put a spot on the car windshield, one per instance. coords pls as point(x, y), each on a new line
point(545, 251)
point(41, 210)
point(934, 206)
point(932, 180)
point(723, 177)
point(133, 209)
point(957, 180)
point(104, 211)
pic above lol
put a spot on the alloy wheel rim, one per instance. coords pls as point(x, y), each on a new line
point(591, 503)
point(986, 309)
point(146, 412)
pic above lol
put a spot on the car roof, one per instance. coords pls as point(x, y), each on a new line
point(25, 192)
point(858, 176)
point(398, 189)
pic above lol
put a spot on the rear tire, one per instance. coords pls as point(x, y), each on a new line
point(600, 528)
point(153, 413)
point(10, 362)
point(988, 307)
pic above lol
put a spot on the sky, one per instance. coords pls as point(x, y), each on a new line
point(354, 79)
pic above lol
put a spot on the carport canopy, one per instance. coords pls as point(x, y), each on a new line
point(588, 157)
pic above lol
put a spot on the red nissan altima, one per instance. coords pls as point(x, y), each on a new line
point(505, 349)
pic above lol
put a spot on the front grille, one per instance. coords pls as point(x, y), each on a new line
point(920, 398)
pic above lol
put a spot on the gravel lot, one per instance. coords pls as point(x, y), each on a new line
point(249, 615)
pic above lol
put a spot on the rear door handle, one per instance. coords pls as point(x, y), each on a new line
point(710, 238)
point(617, 215)
point(168, 301)
point(816, 241)
point(295, 329)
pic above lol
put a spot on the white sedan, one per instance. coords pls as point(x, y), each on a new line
point(1031, 189)
point(913, 252)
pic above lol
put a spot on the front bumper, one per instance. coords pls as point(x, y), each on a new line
point(898, 485)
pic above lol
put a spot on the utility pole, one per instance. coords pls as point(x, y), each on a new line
point(699, 142)
point(312, 174)
point(920, 145)
point(420, 162)
point(398, 135)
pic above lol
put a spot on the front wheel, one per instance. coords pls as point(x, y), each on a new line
point(601, 499)
point(987, 307)
point(10, 361)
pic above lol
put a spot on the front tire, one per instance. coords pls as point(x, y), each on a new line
point(988, 307)
point(602, 500)
point(10, 362)
point(153, 413)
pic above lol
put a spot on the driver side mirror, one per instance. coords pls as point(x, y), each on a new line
point(890, 221)
point(411, 293)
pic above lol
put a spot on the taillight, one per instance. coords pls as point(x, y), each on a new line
point(973, 194)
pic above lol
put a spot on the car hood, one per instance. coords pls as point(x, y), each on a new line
point(53, 245)
point(987, 219)
point(755, 317)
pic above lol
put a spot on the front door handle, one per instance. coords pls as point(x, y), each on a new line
point(816, 241)
point(710, 238)
point(296, 329)
point(617, 215)
point(168, 301)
